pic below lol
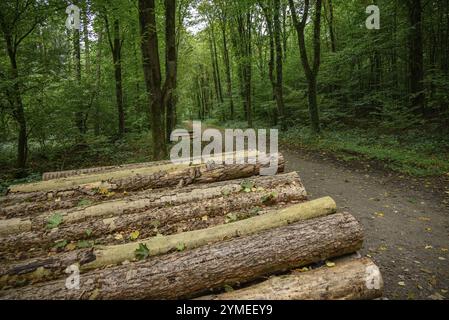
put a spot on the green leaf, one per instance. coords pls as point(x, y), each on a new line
point(88, 232)
point(228, 288)
point(269, 197)
point(247, 186)
point(231, 217)
point(54, 221)
point(180, 246)
point(82, 244)
point(60, 244)
point(142, 252)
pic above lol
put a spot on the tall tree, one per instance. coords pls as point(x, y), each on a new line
point(268, 13)
point(116, 44)
point(416, 56)
point(226, 56)
point(171, 61)
point(310, 68)
point(279, 60)
point(158, 95)
point(17, 22)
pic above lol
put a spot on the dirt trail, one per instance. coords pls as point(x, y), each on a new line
point(406, 222)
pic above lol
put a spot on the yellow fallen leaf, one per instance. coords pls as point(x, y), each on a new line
point(401, 283)
point(423, 219)
point(205, 218)
point(380, 214)
point(118, 236)
point(429, 247)
point(71, 246)
point(330, 264)
point(444, 249)
point(134, 235)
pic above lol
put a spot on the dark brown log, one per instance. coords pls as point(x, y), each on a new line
point(358, 279)
point(66, 193)
point(191, 273)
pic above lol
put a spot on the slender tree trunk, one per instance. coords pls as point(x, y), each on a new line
point(79, 116)
point(215, 61)
point(227, 64)
point(268, 17)
point(19, 112)
point(311, 71)
point(279, 71)
point(98, 83)
point(152, 73)
point(416, 56)
point(117, 57)
point(171, 58)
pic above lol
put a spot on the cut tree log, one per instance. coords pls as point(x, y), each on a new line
point(114, 255)
point(117, 184)
point(358, 279)
point(95, 170)
point(194, 272)
point(46, 176)
point(165, 220)
point(147, 200)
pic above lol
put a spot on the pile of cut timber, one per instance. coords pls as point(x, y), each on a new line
point(165, 231)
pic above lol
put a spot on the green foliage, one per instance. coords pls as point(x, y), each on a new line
point(54, 221)
point(142, 252)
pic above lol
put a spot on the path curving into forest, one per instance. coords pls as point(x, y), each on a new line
point(406, 220)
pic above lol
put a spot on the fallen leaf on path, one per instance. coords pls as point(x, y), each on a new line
point(429, 247)
point(441, 258)
point(330, 264)
point(118, 236)
point(379, 214)
point(401, 283)
point(424, 219)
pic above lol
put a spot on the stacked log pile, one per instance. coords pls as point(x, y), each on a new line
point(165, 231)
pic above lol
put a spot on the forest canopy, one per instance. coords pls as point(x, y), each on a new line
point(112, 90)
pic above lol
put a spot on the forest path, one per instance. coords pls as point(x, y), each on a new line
point(406, 222)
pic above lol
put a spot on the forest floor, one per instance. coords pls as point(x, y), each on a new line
point(406, 220)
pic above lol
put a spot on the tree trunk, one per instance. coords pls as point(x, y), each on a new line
point(279, 56)
point(266, 9)
point(80, 172)
point(346, 281)
point(171, 58)
point(310, 68)
point(194, 272)
point(64, 194)
point(227, 64)
point(79, 115)
point(187, 216)
point(195, 237)
point(416, 59)
point(153, 78)
point(117, 59)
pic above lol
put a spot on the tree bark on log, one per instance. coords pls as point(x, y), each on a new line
point(114, 255)
point(142, 201)
point(192, 273)
point(46, 176)
point(358, 279)
point(154, 221)
point(119, 187)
